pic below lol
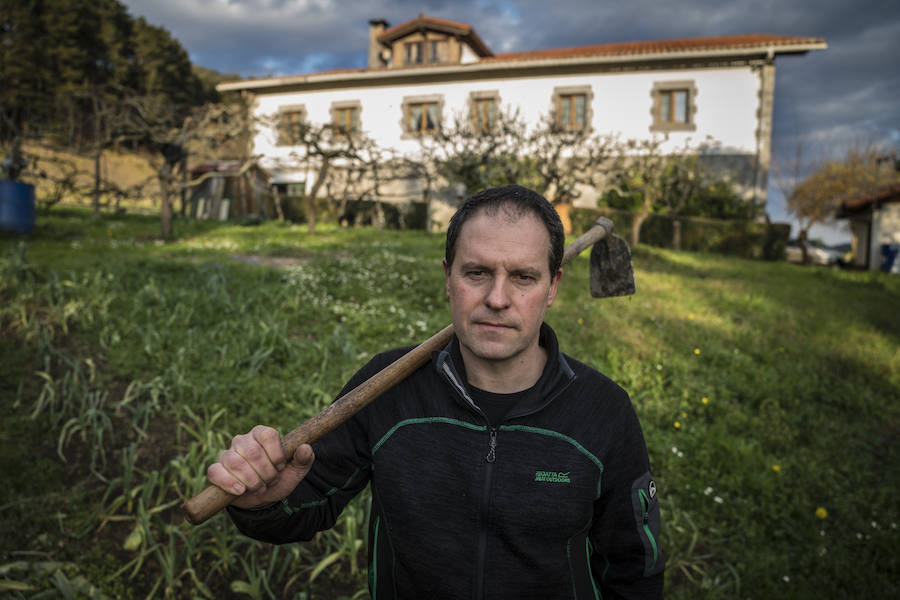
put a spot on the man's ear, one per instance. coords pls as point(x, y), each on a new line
point(554, 287)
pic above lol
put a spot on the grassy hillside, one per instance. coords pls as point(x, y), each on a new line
point(767, 392)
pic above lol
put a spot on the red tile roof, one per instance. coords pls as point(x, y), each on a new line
point(757, 42)
point(889, 193)
point(394, 31)
point(748, 41)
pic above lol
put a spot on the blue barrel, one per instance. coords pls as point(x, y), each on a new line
point(16, 206)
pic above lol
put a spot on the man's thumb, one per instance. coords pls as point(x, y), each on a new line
point(303, 460)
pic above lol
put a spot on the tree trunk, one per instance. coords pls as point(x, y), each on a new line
point(676, 234)
point(165, 209)
point(311, 198)
point(636, 225)
point(279, 209)
point(184, 187)
point(97, 180)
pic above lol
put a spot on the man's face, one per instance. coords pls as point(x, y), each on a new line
point(500, 286)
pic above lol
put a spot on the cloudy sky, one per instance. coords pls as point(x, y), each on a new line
point(846, 95)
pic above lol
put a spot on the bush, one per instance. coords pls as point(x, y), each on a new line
point(745, 239)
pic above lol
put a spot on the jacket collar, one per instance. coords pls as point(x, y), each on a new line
point(557, 374)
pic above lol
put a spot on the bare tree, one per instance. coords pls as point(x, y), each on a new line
point(158, 126)
point(476, 156)
point(349, 161)
point(653, 179)
point(861, 172)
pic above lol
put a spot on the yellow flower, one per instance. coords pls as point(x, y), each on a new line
point(776, 468)
point(691, 316)
point(684, 415)
point(704, 400)
point(677, 424)
point(580, 320)
point(696, 350)
point(821, 513)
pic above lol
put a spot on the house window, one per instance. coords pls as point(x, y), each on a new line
point(345, 117)
point(414, 53)
point(673, 106)
point(291, 121)
point(573, 108)
point(483, 107)
point(422, 117)
point(438, 51)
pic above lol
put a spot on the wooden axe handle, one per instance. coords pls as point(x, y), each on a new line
point(213, 499)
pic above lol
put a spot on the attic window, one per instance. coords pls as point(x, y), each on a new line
point(429, 51)
point(414, 53)
point(673, 106)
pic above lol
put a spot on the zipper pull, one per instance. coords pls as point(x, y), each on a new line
point(492, 451)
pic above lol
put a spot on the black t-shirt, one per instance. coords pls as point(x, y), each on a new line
point(495, 406)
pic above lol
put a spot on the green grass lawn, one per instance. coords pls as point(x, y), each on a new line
point(767, 392)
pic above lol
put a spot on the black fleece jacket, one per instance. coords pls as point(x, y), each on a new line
point(555, 502)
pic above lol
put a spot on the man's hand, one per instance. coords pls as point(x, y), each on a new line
point(256, 469)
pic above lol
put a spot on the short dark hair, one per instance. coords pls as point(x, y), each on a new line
point(519, 200)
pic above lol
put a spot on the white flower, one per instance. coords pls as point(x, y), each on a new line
point(680, 454)
point(658, 367)
point(874, 525)
point(674, 450)
point(786, 579)
point(708, 491)
point(859, 536)
point(718, 500)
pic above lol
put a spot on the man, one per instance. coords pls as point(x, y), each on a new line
point(502, 469)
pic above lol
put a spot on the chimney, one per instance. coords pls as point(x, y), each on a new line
point(376, 28)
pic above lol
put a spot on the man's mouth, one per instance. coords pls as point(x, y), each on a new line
point(494, 326)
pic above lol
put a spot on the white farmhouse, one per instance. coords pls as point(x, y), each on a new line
point(428, 69)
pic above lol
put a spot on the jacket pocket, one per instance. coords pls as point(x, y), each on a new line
point(645, 503)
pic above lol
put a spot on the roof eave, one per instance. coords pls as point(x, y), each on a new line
point(763, 51)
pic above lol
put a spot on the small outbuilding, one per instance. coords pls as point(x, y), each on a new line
point(875, 224)
point(228, 189)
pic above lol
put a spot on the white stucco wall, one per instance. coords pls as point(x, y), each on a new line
point(727, 102)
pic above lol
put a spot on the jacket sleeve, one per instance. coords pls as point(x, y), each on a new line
point(341, 470)
point(627, 561)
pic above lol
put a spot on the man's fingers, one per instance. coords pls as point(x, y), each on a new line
point(220, 476)
point(270, 441)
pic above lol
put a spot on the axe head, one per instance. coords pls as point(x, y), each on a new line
point(612, 273)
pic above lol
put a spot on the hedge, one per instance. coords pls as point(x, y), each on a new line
point(745, 239)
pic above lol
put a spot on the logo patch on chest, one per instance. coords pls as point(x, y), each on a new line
point(551, 477)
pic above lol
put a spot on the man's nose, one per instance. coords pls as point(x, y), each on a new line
point(498, 295)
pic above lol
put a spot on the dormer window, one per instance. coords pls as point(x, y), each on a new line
point(414, 53)
point(429, 51)
point(438, 51)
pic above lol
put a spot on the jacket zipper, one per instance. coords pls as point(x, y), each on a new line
point(483, 512)
point(645, 507)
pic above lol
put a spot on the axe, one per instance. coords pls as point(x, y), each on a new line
point(612, 275)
